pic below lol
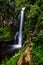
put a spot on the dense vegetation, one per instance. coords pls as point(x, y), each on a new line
point(7, 19)
point(33, 27)
point(37, 51)
point(14, 59)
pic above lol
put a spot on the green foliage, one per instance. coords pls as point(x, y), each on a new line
point(41, 25)
point(14, 59)
point(7, 8)
point(37, 51)
point(4, 34)
point(33, 20)
point(40, 36)
point(34, 39)
point(37, 55)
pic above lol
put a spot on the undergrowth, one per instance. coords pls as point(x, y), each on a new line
point(14, 59)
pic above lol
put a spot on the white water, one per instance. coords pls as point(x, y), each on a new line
point(19, 45)
point(21, 25)
point(15, 35)
point(19, 34)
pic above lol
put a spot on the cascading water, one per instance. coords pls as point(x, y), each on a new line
point(21, 25)
point(18, 33)
point(20, 30)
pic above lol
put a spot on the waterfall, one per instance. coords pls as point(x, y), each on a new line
point(15, 35)
point(18, 33)
point(21, 25)
point(19, 45)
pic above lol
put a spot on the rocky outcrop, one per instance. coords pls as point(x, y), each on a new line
point(25, 58)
